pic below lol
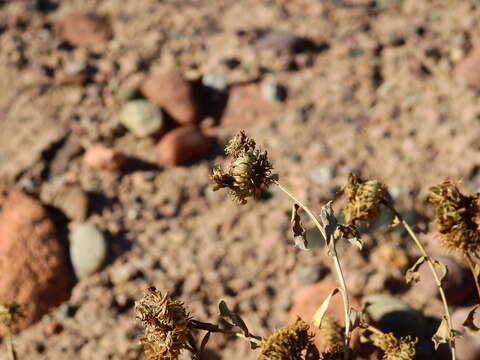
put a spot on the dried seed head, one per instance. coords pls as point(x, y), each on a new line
point(364, 199)
point(292, 342)
point(249, 170)
point(167, 325)
point(457, 217)
point(393, 348)
point(334, 353)
point(10, 312)
point(333, 335)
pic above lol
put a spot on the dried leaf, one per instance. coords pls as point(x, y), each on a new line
point(442, 335)
point(204, 341)
point(232, 318)
point(320, 313)
point(330, 226)
point(443, 269)
point(413, 273)
point(469, 324)
point(349, 232)
point(356, 319)
point(298, 230)
point(395, 222)
point(476, 270)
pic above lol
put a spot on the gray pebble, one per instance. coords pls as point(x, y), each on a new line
point(322, 175)
point(141, 117)
point(216, 81)
point(311, 274)
point(88, 250)
point(314, 238)
point(274, 92)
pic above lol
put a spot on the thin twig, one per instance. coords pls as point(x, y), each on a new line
point(338, 268)
point(10, 349)
point(431, 265)
point(471, 265)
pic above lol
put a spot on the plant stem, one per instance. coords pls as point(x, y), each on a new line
point(338, 268)
point(10, 348)
point(471, 265)
point(431, 266)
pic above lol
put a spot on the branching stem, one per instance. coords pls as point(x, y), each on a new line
point(338, 268)
point(431, 266)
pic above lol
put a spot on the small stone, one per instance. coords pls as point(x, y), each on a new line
point(457, 284)
point(169, 90)
point(66, 311)
point(283, 42)
point(52, 328)
point(141, 117)
point(124, 274)
point(183, 145)
point(311, 274)
point(63, 157)
point(231, 63)
point(274, 92)
point(468, 346)
point(32, 257)
point(104, 158)
point(322, 175)
point(467, 71)
point(215, 81)
point(392, 314)
point(88, 249)
point(83, 29)
point(73, 201)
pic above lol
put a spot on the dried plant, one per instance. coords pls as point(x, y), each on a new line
point(393, 348)
point(10, 313)
point(292, 342)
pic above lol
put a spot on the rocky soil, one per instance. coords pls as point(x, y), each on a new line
point(113, 115)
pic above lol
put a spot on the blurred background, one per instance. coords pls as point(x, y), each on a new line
point(113, 113)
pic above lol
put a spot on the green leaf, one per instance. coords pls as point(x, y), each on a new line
point(469, 324)
point(232, 318)
point(298, 230)
point(320, 313)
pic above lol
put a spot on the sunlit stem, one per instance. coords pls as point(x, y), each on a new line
point(338, 268)
point(431, 265)
point(471, 265)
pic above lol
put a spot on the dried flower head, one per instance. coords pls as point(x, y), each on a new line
point(457, 217)
point(292, 342)
point(393, 348)
point(334, 353)
point(333, 335)
point(364, 199)
point(249, 170)
point(167, 325)
point(10, 312)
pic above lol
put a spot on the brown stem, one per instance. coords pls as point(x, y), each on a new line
point(431, 266)
point(216, 329)
point(338, 268)
point(471, 265)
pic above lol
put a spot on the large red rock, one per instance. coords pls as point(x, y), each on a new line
point(467, 71)
point(310, 298)
point(169, 90)
point(83, 29)
point(33, 264)
point(183, 145)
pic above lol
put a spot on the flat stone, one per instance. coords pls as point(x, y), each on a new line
point(141, 117)
point(322, 175)
point(88, 250)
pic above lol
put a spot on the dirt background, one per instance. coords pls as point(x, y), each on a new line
point(375, 94)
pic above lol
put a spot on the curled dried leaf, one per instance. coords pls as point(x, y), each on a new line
point(320, 313)
point(413, 273)
point(443, 334)
point(232, 318)
point(298, 230)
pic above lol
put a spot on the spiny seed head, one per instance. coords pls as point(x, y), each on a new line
point(457, 217)
point(333, 335)
point(249, 170)
point(393, 348)
point(364, 199)
point(10, 312)
point(292, 342)
point(167, 325)
point(334, 353)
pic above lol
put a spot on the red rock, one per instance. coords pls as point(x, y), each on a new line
point(102, 157)
point(183, 145)
point(32, 257)
point(310, 298)
point(83, 29)
point(467, 71)
point(245, 106)
point(169, 90)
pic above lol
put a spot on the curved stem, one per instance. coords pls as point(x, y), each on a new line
point(471, 265)
point(431, 266)
point(338, 268)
